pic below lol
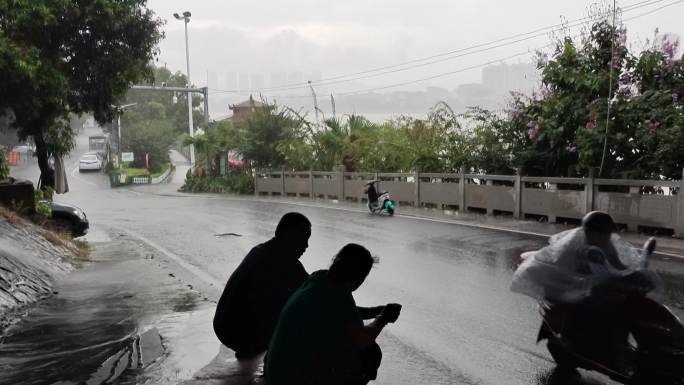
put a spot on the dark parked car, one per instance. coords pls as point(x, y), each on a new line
point(69, 218)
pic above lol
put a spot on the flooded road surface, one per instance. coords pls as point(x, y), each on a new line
point(460, 324)
point(114, 320)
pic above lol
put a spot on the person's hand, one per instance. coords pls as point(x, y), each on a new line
point(390, 313)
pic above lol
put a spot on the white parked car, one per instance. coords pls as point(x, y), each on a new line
point(90, 162)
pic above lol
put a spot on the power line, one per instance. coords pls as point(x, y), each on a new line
point(473, 66)
point(463, 52)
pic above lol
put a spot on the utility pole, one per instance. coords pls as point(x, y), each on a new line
point(315, 100)
point(186, 18)
point(118, 129)
point(332, 102)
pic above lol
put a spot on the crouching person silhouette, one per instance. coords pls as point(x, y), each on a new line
point(321, 338)
point(256, 292)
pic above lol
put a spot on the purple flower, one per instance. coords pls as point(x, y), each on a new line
point(616, 61)
point(669, 44)
point(590, 125)
point(517, 110)
point(626, 91)
point(675, 97)
point(626, 78)
point(652, 124)
point(621, 36)
point(571, 148)
point(533, 130)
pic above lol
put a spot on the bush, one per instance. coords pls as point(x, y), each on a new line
point(4, 167)
point(41, 199)
point(238, 183)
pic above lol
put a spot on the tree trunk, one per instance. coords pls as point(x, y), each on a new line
point(47, 174)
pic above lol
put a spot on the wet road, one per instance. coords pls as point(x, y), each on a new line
point(460, 324)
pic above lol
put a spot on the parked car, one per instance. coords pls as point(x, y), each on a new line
point(69, 218)
point(90, 162)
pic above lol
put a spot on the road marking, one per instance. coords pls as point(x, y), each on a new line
point(199, 273)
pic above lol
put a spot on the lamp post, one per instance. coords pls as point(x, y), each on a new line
point(186, 19)
point(118, 128)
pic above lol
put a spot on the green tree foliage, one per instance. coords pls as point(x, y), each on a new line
point(557, 131)
point(176, 112)
point(59, 57)
point(565, 124)
point(4, 167)
point(272, 137)
point(152, 138)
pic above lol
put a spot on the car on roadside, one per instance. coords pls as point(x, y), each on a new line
point(69, 218)
point(90, 161)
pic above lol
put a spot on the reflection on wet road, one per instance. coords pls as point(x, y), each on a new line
point(460, 323)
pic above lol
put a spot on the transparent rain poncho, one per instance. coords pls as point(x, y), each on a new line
point(551, 273)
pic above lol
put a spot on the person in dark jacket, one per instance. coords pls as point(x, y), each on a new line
point(321, 338)
point(256, 292)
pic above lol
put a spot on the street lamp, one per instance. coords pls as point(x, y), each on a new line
point(118, 128)
point(186, 19)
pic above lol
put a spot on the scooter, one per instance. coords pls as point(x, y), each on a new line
point(654, 354)
point(378, 202)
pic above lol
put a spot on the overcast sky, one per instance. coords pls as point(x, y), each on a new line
point(342, 37)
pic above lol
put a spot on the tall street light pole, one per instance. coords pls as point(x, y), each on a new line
point(186, 19)
point(118, 129)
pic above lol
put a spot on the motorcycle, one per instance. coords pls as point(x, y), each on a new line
point(595, 337)
point(378, 202)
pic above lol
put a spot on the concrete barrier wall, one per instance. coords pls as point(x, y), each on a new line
point(648, 203)
point(297, 184)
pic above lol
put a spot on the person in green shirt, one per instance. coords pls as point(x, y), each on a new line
point(320, 338)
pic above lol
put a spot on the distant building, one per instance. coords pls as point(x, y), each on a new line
point(212, 80)
point(231, 81)
point(243, 80)
point(257, 81)
point(316, 76)
point(278, 79)
point(242, 111)
point(504, 78)
point(295, 78)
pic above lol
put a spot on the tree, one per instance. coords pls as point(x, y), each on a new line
point(269, 137)
point(561, 131)
point(152, 138)
point(4, 167)
point(176, 110)
point(59, 57)
point(489, 147)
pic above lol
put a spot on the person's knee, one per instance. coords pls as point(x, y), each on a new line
point(374, 355)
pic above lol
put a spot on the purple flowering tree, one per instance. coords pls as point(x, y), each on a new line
point(563, 127)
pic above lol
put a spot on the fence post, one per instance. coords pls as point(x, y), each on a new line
point(282, 182)
point(340, 187)
point(256, 183)
point(311, 185)
point(589, 192)
point(490, 211)
point(517, 195)
point(416, 186)
point(679, 232)
point(462, 191)
point(553, 187)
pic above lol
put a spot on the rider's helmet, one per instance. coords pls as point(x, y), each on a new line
point(598, 221)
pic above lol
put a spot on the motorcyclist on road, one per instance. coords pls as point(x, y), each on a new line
point(601, 322)
point(372, 192)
